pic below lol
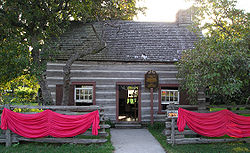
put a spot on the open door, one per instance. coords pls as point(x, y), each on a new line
point(128, 103)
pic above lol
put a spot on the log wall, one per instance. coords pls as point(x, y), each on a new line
point(106, 74)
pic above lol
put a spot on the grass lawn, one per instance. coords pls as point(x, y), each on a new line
point(58, 148)
point(157, 129)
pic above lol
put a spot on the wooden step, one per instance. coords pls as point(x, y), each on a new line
point(128, 126)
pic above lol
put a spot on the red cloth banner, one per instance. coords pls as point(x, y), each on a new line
point(49, 123)
point(214, 124)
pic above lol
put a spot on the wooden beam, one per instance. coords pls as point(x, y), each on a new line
point(151, 106)
point(203, 140)
point(173, 131)
point(64, 140)
point(186, 132)
point(61, 108)
point(7, 133)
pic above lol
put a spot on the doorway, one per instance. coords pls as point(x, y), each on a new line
point(128, 102)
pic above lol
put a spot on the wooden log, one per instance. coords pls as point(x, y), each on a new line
point(185, 132)
point(64, 140)
point(102, 123)
point(104, 126)
point(168, 126)
point(229, 106)
point(102, 134)
point(14, 140)
point(242, 111)
point(65, 108)
point(176, 137)
point(189, 107)
point(8, 134)
point(203, 140)
point(173, 131)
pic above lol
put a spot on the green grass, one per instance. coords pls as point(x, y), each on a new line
point(156, 131)
point(58, 148)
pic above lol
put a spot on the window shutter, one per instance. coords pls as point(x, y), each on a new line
point(71, 96)
point(59, 94)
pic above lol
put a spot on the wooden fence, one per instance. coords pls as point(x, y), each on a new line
point(188, 136)
point(9, 137)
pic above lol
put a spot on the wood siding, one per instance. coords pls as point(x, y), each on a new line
point(107, 74)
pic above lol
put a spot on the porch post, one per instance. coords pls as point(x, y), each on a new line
point(151, 105)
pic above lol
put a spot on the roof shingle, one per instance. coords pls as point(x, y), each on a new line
point(132, 41)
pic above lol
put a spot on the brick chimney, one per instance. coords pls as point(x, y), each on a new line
point(184, 17)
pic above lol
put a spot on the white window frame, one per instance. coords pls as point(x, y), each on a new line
point(168, 97)
point(84, 88)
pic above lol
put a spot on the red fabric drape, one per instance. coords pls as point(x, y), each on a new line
point(214, 124)
point(49, 123)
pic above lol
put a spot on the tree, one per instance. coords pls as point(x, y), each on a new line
point(30, 25)
point(22, 89)
point(219, 62)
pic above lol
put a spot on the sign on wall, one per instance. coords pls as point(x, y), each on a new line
point(151, 79)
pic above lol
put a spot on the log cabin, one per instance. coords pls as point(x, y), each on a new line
point(115, 77)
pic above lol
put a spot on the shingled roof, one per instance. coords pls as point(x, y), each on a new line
point(129, 41)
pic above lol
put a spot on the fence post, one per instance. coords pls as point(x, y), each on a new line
point(102, 117)
point(171, 107)
point(8, 133)
point(201, 98)
point(173, 131)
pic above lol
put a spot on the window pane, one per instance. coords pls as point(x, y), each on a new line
point(90, 97)
point(86, 92)
point(175, 98)
point(167, 93)
point(81, 97)
point(86, 97)
point(77, 96)
point(171, 99)
point(163, 98)
point(171, 94)
point(81, 92)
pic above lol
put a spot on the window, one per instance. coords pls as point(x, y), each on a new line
point(83, 94)
point(168, 94)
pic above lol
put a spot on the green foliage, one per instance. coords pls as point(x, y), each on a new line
point(112, 125)
point(24, 90)
point(28, 28)
point(19, 110)
point(219, 62)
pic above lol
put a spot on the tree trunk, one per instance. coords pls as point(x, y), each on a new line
point(46, 94)
point(37, 64)
point(66, 69)
point(66, 78)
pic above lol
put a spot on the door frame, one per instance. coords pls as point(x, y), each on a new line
point(139, 98)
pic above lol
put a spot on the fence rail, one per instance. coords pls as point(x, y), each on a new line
point(175, 137)
point(8, 137)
